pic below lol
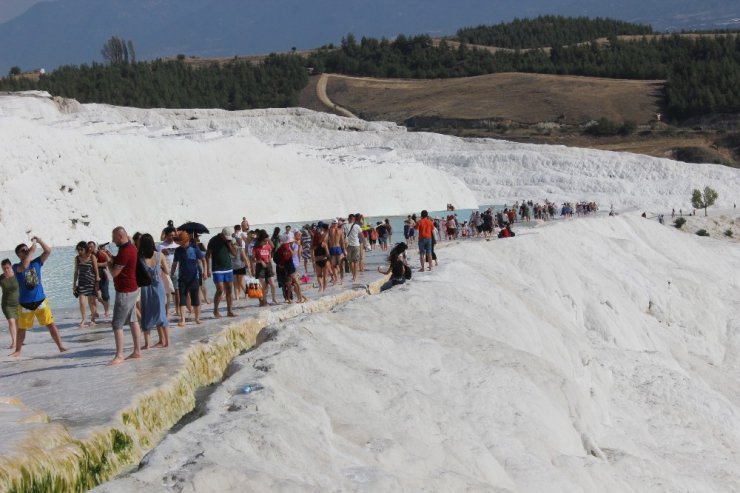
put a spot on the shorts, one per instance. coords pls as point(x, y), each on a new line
point(240, 272)
point(335, 250)
point(42, 314)
point(451, 231)
point(191, 288)
point(124, 309)
point(223, 277)
point(383, 240)
point(10, 311)
point(353, 254)
point(425, 246)
point(263, 271)
point(103, 287)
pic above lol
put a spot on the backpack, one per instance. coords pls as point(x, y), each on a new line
point(143, 277)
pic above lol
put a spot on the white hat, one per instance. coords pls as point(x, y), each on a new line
point(227, 231)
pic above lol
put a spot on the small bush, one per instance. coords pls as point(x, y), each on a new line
point(702, 232)
point(679, 222)
point(608, 128)
point(628, 128)
point(696, 155)
point(728, 233)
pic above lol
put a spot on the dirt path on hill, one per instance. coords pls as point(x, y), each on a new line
point(324, 98)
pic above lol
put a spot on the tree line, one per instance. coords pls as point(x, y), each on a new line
point(236, 85)
point(701, 73)
point(548, 30)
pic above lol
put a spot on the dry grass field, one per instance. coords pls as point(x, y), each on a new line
point(544, 109)
point(521, 98)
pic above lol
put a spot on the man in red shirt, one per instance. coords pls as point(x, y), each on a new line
point(123, 270)
point(425, 226)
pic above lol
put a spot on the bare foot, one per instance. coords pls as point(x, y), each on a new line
point(145, 346)
point(231, 314)
point(116, 361)
point(216, 314)
point(197, 321)
point(181, 323)
point(134, 355)
point(12, 345)
point(62, 349)
point(15, 354)
point(83, 324)
point(159, 345)
point(107, 315)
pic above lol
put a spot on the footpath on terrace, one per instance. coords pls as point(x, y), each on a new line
point(69, 422)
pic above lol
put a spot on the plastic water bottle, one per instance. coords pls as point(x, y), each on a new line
point(252, 387)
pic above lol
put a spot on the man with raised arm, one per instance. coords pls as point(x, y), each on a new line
point(32, 302)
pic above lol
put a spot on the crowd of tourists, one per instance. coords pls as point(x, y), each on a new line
point(153, 278)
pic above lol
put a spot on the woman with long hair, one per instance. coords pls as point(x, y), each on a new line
point(153, 297)
point(397, 268)
point(85, 282)
point(262, 261)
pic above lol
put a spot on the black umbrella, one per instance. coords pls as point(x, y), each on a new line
point(192, 227)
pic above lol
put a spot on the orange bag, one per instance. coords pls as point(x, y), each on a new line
point(254, 289)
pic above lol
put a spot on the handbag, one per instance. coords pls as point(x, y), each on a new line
point(254, 289)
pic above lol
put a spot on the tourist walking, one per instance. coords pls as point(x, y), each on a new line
point(9, 286)
point(32, 300)
point(218, 257)
point(153, 297)
point(103, 278)
point(85, 282)
point(123, 270)
point(188, 263)
point(354, 239)
point(262, 261)
point(306, 249)
point(239, 262)
point(425, 227)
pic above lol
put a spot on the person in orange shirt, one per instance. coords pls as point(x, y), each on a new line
point(425, 227)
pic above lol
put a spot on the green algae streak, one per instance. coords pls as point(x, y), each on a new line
point(57, 462)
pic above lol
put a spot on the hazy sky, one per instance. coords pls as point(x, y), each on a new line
point(11, 8)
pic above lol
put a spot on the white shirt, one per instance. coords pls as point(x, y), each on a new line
point(352, 234)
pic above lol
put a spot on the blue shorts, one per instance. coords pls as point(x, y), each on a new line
point(335, 250)
point(221, 277)
point(425, 246)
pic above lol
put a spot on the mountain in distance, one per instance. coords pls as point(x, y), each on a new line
point(60, 32)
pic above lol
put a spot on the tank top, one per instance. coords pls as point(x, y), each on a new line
point(237, 262)
point(85, 274)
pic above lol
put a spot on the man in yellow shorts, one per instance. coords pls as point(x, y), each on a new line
point(32, 302)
